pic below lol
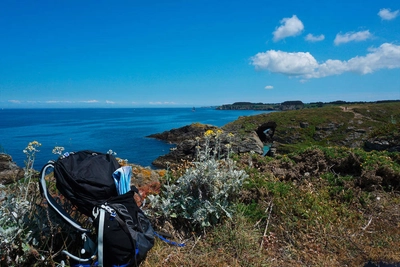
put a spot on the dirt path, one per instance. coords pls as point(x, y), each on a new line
point(357, 115)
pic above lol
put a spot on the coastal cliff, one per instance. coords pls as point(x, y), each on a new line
point(355, 126)
point(328, 196)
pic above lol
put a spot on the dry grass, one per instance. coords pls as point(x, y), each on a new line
point(348, 240)
point(302, 221)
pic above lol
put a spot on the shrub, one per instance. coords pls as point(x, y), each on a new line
point(203, 195)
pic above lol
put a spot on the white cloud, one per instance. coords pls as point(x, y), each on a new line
point(90, 101)
point(162, 103)
point(110, 102)
point(305, 66)
point(58, 101)
point(387, 56)
point(295, 64)
point(352, 36)
point(14, 101)
point(268, 87)
point(386, 14)
point(312, 38)
point(290, 27)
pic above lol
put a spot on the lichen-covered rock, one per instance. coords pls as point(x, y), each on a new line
point(187, 132)
point(9, 171)
point(188, 137)
point(250, 143)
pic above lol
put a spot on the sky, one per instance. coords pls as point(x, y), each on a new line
point(184, 53)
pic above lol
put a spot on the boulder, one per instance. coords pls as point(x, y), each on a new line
point(9, 171)
point(249, 143)
point(304, 125)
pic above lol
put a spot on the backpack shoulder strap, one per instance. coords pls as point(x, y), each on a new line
point(52, 202)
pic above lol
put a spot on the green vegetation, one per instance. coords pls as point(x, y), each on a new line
point(294, 105)
point(203, 195)
point(317, 203)
point(249, 106)
point(330, 125)
point(315, 207)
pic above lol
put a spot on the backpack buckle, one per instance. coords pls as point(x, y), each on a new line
point(109, 210)
point(95, 212)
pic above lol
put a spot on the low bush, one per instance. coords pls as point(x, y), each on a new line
point(203, 195)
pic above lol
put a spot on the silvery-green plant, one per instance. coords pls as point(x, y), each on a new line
point(203, 195)
point(16, 235)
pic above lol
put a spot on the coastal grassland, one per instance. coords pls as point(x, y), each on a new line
point(380, 112)
point(331, 125)
point(300, 210)
point(318, 206)
point(317, 203)
point(320, 203)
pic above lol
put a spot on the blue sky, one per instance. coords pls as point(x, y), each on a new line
point(177, 53)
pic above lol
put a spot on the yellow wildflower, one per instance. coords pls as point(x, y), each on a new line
point(209, 133)
point(219, 132)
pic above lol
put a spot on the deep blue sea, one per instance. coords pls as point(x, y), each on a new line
point(122, 130)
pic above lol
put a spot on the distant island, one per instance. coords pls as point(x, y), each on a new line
point(290, 105)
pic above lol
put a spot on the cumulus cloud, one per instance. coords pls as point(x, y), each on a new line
point(294, 64)
point(387, 56)
point(386, 14)
point(14, 101)
point(110, 102)
point(268, 87)
point(352, 37)
point(312, 38)
point(305, 66)
point(290, 27)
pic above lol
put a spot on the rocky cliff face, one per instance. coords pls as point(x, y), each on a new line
point(345, 126)
point(188, 137)
point(9, 171)
point(189, 132)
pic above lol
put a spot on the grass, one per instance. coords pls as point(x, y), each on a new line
point(323, 220)
point(316, 204)
point(375, 119)
point(328, 219)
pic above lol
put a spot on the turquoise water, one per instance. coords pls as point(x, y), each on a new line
point(121, 130)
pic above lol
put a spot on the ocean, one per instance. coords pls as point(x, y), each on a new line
point(122, 130)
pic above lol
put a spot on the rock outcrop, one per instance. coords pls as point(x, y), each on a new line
point(380, 144)
point(188, 132)
point(187, 138)
point(350, 127)
point(9, 171)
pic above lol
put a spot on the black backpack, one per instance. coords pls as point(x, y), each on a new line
point(124, 233)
